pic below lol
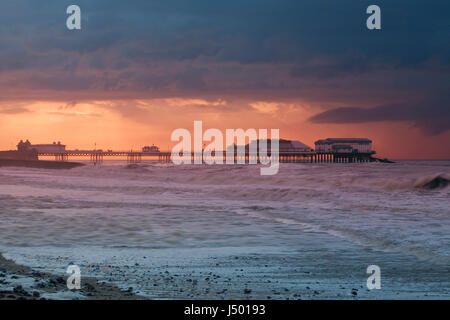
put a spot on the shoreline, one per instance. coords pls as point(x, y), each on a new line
point(228, 273)
point(18, 282)
point(41, 164)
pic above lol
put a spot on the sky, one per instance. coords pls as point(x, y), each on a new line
point(137, 70)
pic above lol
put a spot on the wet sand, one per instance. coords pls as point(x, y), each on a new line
point(23, 283)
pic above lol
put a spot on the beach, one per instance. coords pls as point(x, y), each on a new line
point(19, 282)
point(159, 231)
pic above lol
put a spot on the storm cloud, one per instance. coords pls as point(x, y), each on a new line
point(432, 115)
point(317, 51)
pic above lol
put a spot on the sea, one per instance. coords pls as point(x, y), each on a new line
point(224, 231)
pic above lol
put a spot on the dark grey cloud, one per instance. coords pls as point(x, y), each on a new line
point(244, 31)
point(431, 115)
point(309, 49)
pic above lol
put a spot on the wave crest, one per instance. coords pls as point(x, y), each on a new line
point(439, 181)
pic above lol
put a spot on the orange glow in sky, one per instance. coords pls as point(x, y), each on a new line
point(131, 124)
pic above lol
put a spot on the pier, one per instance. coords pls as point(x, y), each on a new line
point(330, 150)
point(97, 156)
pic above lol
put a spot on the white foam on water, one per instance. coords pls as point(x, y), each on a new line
point(158, 206)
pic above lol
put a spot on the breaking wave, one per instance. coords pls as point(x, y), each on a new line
point(402, 206)
point(439, 181)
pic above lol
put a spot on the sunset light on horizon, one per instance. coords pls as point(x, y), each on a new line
point(132, 124)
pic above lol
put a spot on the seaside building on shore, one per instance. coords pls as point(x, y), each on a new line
point(344, 145)
point(41, 148)
point(23, 152)
point(49, 148)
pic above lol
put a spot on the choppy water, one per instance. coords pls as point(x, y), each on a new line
point(387, 207)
